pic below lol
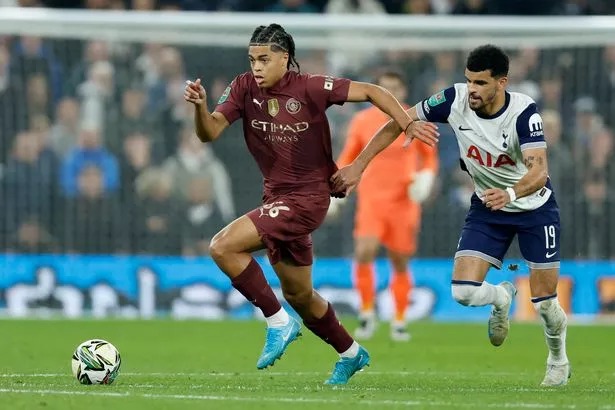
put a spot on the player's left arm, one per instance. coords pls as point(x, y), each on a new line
point(534, 151)
point(381, 98)
point(535, 161)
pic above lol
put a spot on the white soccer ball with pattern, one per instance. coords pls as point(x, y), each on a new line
point(96, 361)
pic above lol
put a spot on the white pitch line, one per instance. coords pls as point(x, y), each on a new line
point(408, 403)
point(272, 373)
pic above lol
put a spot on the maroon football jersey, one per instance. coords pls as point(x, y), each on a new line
point(286, 128)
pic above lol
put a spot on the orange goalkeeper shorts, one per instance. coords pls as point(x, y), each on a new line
point(396, 225)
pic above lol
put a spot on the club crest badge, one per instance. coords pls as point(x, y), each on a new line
point(273, 108)
point(293, 106)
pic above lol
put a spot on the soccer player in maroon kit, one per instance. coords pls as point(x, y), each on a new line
point(287, 132)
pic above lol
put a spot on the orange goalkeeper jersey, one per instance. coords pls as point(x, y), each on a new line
point(389, 174)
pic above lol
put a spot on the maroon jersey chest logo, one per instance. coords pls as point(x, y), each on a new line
point(293, 106)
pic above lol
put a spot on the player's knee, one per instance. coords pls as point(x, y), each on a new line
point(365, 253)
point(219, 246)
point(464, 294)
point(298, 299)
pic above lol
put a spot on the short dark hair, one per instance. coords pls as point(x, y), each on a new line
point(278, 39)
point(391, 72)
point(488, 57)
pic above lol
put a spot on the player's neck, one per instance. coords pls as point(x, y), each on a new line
point(279, 84)
point(495, 107)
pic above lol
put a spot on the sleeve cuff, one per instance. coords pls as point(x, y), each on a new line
point(419, 111)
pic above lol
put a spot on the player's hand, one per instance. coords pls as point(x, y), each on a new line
point(495, 198)
point(426, 132)
point(194, 92)
point(420, 188)
point(347, 178)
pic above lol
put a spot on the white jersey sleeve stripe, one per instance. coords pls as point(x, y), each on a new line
point(420, 112)
point(532, 145)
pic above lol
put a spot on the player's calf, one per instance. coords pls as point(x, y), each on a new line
point(472, 293)
point(555, 325)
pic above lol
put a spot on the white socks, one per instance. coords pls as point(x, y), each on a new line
point(469, 293)
point(554, 322)
point(352, 351)
point(278, 319)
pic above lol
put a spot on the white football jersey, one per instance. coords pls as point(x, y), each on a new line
point(491, 146)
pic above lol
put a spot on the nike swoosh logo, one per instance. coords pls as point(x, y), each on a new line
point(287, 335)
point(550, 255)
point(464, 129)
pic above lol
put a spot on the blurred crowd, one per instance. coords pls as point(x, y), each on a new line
point(508, 7)
point(98, 152)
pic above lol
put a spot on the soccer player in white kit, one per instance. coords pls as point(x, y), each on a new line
point(502, 147)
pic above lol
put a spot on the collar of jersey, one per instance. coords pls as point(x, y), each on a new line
point(281, 85)
point(497, 114)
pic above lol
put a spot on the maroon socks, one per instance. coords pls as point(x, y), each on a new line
point(329, 329)
point(252, 284)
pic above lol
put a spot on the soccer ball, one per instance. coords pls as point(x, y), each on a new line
point(96, 361)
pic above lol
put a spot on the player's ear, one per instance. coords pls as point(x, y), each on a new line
point(503, 81)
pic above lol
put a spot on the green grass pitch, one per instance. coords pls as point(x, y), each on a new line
point(212, 365)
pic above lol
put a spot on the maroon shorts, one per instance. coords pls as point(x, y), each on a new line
point(285, 223)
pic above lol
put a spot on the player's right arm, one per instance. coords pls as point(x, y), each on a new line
point(436, 108)
point(208, 125)
point(353, 144)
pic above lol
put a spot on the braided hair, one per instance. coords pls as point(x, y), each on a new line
point(278, 39)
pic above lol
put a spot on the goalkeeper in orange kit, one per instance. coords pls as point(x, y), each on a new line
point(388, 209)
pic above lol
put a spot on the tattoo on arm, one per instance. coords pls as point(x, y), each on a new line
point(531, 160)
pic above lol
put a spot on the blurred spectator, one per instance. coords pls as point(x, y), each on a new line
point(32, 237)
point(292, 6)
point(158, 218)
point(96, 96)
point(417, 7)
point(29, 180)
point(606, 93)
point(518, 78)
point(89, 151)
point(143, 5)
point(97, 4)
point(146, 65)
point(95, 51)
point(135, 159)
point(133, 118)
point(470, 7)
point(587, 123)
point(446, 70)
point(342, 61)
point(583, 7)
point(550, 93)
point(37, 96)
point(354, 7)
point(30, 56)
point(65, 131)
point(12, 104)
point(195, 159)
point(201, 218)
point(166, 94)
point(93, 219)
point(559, 156)
point(599, 175)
